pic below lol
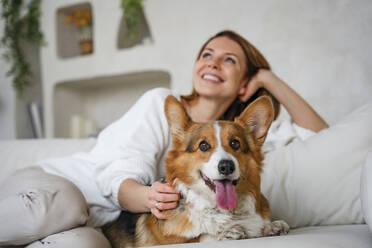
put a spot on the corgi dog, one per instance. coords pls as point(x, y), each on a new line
point(216, 168)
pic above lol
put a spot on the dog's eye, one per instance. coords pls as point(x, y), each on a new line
point(235, 144)
point(204, 146)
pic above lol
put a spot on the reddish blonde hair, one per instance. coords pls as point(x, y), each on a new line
point(254, 61)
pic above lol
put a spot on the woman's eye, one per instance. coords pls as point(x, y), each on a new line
point(230, 60)
point(206, 55)
point(204, 146)
point(235, 144)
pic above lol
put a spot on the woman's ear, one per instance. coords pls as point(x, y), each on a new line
point(250, 88)
point(244, 93)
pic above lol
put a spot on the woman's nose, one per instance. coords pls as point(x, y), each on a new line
point(213, 63)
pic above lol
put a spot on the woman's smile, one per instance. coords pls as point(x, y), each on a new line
point(212, 77)
point(220, 69)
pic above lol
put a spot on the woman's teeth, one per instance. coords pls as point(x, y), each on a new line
point(211, 77)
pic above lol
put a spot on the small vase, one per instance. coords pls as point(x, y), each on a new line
point(86, 47)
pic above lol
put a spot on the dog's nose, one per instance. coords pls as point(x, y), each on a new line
point(226, 167)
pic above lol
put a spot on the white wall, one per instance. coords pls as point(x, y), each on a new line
point(320, 47)
point(7, 98)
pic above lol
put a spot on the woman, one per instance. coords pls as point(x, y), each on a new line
point(128, 157)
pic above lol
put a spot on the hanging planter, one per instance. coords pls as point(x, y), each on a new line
point(21, 26)
point(134, 29)
point(132, 16)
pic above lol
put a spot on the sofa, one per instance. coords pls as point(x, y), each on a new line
point(322, 187)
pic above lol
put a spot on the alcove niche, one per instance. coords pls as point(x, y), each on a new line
point(99, 101)
point(70, 38)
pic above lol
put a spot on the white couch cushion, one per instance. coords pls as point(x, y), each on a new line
point(317, 181)
point(345, 236)
point(17, 154)
point(366, 190)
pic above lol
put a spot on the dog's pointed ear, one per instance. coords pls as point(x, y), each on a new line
point(177, 118)
point(257, 117)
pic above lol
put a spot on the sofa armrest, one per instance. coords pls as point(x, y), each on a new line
point(17, 154)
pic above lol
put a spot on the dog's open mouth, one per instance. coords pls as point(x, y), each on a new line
point(226, 197)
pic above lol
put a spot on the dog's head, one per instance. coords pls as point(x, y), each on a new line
point(219, 161)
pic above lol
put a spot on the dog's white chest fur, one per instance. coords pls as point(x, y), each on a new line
point(209, 220)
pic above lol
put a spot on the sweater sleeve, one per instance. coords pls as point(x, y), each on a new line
point(132, 146)
point(282, 133)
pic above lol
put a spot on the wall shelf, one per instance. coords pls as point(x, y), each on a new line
point(101, 100)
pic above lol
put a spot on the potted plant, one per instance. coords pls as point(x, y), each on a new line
point(21, 26)
point(132, 17)
point(82, 21)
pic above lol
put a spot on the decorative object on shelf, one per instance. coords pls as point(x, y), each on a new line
point(22, 25)
point(36, 119)
point(132, 16)
point(134, 29)
point(81, 127)
point(82, 21)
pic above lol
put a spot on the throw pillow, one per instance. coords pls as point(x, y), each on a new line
point(317, 181)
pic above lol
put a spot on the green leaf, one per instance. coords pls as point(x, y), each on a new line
point(19, 29)
point(132, 15)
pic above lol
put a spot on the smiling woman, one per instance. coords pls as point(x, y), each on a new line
point(233, 65)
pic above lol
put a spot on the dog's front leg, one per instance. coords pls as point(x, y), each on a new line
point(232, 233)
point(275, 228)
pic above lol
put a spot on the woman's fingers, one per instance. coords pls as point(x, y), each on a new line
point(163, 187)
point(158, 207)
point(158, 214)
point(256, 82)
point(252, 87)
point(166, 205)
point(161, 192)
point(161, 197)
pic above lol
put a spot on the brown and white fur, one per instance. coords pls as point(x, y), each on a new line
point(216, 168)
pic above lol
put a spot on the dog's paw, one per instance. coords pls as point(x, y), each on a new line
point(276, 228)
point(234, 232)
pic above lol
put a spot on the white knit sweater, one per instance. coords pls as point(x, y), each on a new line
point(134, 147)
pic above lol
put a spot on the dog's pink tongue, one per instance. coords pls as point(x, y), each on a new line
point(225, 195)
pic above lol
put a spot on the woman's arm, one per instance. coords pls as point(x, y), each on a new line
point(126, 156)
point(300, 111)
point(138, 198)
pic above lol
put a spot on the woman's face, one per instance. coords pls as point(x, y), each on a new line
point(219, 72)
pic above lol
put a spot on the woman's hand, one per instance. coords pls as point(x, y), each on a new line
point(160, 197)
point(300, 111)
point(259, 80)
point(138, 198)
